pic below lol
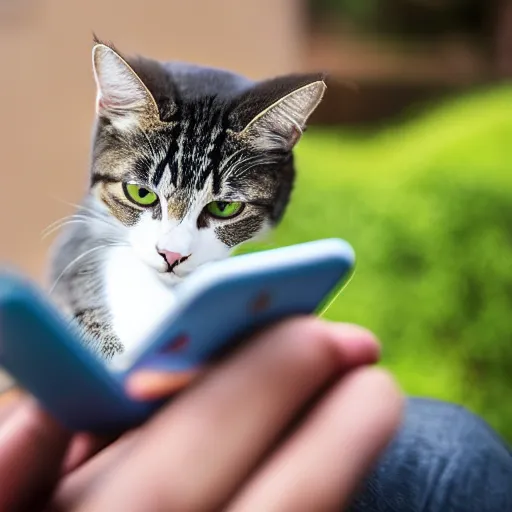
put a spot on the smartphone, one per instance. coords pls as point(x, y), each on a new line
point(218, 306)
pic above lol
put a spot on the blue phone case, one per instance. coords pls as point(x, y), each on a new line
point(42, 353)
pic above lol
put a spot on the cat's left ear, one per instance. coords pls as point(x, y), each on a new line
point(121, 95)
point(280, 125)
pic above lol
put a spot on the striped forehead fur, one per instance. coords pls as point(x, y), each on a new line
point(197, 141)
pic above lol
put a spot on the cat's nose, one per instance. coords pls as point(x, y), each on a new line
point(171, 257)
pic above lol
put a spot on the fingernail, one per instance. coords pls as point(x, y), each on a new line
point(356, 341)
point(149, 385)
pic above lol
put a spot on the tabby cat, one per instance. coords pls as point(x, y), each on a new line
point(187, 163)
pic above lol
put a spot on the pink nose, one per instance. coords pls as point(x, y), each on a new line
point(170, 257)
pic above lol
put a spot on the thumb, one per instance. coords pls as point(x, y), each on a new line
point(32, 448)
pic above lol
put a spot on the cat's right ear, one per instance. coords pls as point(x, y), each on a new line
point(121, 96)
point(274, 113)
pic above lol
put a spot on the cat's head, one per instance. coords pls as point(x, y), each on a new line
point(189, 161)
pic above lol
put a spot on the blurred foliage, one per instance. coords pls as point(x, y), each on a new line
point(428, 207)
point(360, 12)
point(411, 18)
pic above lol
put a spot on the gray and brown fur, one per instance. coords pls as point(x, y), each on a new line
point(191, 133)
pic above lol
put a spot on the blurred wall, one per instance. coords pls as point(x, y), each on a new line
point(47, 88)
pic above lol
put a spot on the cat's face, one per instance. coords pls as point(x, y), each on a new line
point(187, 177)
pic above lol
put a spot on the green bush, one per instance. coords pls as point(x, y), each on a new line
point(427, 206)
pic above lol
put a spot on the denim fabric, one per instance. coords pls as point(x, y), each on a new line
point(444, 459)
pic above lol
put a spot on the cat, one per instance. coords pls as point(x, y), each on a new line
point(188, 162)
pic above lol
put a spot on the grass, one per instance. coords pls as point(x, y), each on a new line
point(427, 204)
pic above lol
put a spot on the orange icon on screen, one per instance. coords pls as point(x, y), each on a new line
point(261, 303)
point(177, 344)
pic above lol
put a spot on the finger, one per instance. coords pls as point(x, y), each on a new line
point(75, 487)
point(77, 483)
point(153, 385)
point(323, 463)
point(32, 447)
point(10, 395)
point(218, 430)
point(9, 401)
point(82, 447)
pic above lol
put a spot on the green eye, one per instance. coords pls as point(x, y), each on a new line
point(223, 209)
point(139, 194)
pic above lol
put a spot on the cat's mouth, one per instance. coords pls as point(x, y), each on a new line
point(171, 267)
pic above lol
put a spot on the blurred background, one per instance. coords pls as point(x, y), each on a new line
point(408, 157)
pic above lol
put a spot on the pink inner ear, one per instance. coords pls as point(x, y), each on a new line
point(111, 103)
point(101, 105)
point(295, 136)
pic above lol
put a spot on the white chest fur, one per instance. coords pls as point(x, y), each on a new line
point(136, 297)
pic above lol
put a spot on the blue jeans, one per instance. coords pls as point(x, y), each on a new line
point(444, 459)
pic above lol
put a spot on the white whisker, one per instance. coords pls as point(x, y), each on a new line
point(93, 213)
point(62, 222)
point(74, 219)
point(55, 223)
point(79, 258)
point(155, 155)
point(240, 168)
point(48, 232)
point(78, 206)
point(228, 160)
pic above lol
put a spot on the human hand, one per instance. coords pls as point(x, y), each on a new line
point(293, 421)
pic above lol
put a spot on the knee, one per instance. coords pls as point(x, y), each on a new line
point(448, 429)
point(465, 459)
point(443, 458)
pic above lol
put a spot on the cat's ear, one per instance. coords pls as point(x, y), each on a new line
point(121, 95)
point(280, 125)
